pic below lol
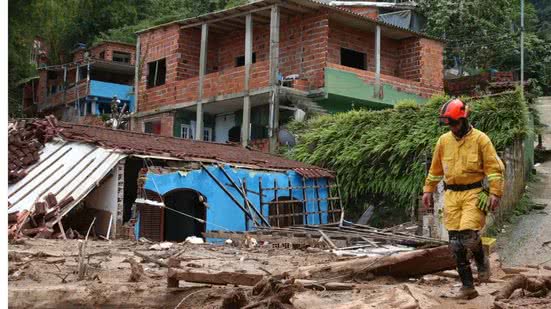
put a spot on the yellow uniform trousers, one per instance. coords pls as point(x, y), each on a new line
point(461, 210)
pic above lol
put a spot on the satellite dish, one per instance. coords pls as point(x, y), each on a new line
point(286, 138)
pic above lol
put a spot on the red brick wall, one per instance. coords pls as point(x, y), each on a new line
point(410, 62)
point(110, 47)
point(432, 64)
point(167, 123)
point(341, 36)
point(57, 98)
point(188, 53)
point(304, 47)
point(303, 50)
point(370, 11)
point(307, 44)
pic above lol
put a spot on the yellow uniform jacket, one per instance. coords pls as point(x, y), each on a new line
point(464, 161)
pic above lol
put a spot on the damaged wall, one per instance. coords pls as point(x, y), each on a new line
point(104, 198)
point(222, 211)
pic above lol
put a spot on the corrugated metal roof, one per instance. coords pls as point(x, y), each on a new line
point(64, 169)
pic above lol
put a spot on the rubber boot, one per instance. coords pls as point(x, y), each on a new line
point(467, 291)
point(482, 263)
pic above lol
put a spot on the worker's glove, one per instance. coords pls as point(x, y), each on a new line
point(428, 202)
point(494, 202)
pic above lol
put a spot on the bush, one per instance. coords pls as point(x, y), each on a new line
point(383, 155)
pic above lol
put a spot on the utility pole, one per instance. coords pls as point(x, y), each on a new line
point(522, 46)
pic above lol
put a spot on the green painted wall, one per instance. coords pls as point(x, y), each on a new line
point(346, 91)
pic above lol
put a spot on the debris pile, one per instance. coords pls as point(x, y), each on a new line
point(528, 286)
point(25, 139)
point(40, 220)
point(348, 239)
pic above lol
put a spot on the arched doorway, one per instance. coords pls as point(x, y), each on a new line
point(286, 211)
point(178, 226)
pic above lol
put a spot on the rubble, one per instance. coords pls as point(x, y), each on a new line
point(25, 139)
point(262, 274)
point(38, 222)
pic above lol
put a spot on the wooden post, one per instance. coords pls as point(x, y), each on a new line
point(292, 205)
point(274, 69)
point(276, 204)
point(202, 70)
point(245, 125)
point(260, 198)
point(377, 88)
point(316, 186)
point(305, 201)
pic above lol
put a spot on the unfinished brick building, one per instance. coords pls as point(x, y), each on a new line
point(85, 86)
point(237, 74)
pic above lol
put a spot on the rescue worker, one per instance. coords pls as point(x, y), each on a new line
point(462, 158)
point(115, 102)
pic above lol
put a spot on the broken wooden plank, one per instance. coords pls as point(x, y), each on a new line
point(219, 278)
point(327, 239)
point(405, 264)
point(150, 259)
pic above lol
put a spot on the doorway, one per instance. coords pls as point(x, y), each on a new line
point(177, 227)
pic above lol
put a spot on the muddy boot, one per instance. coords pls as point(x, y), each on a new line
point(483, 269)
point(482, 263)
point(464, 293)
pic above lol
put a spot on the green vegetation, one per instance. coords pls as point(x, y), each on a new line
point(484, 35)
point(380, 156)
point(63, 23)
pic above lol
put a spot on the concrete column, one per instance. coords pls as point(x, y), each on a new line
point(137, 72)
point(64, 82)
point(77, 77)
point(274, 69)
point(377, 88)
point(245, 125)
point(202, 70)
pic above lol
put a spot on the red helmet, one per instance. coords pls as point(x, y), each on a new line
point(453, 110)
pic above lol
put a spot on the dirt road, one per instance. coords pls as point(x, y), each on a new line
point(529, 240)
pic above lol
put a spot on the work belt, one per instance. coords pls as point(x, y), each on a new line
point(463, 187)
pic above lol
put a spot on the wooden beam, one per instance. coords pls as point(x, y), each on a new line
point(274, 69)
point(245, 211)
point(224, 17)
point(221, 278)
point(245, 124)
point(202, 70)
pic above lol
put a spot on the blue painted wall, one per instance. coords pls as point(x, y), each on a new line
point(223, 213)
point(105, 92)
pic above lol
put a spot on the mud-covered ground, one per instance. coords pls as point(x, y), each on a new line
point(43, 274)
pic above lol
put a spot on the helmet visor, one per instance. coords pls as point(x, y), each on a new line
point(448, 121)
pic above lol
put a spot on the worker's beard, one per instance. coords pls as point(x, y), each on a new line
point(465, 128)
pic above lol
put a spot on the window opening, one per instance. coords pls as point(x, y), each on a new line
point(240, 61)
point(156, 73)
point(353, 59)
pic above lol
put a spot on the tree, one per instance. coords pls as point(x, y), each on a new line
point(484, 35)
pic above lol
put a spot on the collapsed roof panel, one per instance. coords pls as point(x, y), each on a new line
point(68, 170)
